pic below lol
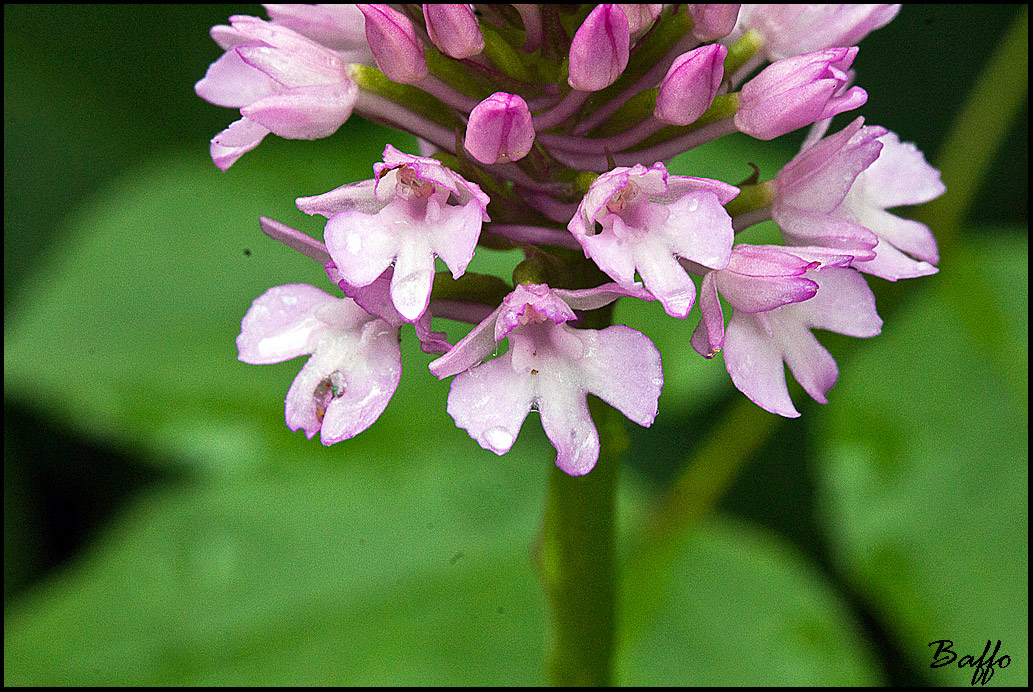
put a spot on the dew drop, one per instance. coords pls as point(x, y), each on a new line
point(499, 440)
point(353, 244)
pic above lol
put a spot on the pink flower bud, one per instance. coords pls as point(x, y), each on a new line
point(392, 38)
point(690, 85)
point(600, 48)
point(795, 92)
point(454, 30)
point(500, 129)
point(712, 21)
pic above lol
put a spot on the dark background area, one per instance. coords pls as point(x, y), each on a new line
point(110, 86)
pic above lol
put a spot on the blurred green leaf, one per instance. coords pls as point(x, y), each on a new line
point(926, 474)
point(745, 609)
point(409, 574)
point(385, 570)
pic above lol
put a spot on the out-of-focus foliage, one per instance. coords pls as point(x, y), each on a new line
point(924, 460)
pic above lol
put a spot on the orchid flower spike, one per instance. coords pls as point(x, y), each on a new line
point(413, 209)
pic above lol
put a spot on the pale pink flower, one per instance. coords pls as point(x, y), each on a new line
point(642, 219)
point(413, 209)
point(836, 193)
point(550, 367)
point(282, 82)
point(757, 343)
point(355, 365)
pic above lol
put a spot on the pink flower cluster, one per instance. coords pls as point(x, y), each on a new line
point(546, 128)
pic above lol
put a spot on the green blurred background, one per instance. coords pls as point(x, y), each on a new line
point(161, 525)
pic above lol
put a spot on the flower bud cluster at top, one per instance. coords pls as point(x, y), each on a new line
point(546, 128)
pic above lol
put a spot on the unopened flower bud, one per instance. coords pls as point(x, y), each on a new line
point(393, 40)
point(795, 92)
point(713, 21)
point(454, 29)
point(690, 85)
point(500, 129)
point(600, 48)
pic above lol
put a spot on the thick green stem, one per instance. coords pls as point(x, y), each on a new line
point(579, 561)
point(578, 553)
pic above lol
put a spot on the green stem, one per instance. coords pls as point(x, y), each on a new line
point(579, 562)
point(578, 554)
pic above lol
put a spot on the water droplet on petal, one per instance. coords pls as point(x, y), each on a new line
point(353, 243)
point(499, 440)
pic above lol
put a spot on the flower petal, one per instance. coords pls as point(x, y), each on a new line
point(567, 423)
point(454, 236)
point(709, 335)
point(305, 112)
point(900, 176)
point(413, 279)
point(754, 362)
point(811, 363)
point(235, 141)
point(490, 402)
point(232, 83)
point(844, 304)
point(763, 293)
point(360, 245)
point(812, 228)
point(621, 366)
point(906, 235)
point(353, 196)
point(371, 378)
point(664, 277)
point(892, 264)
point(699, 229)
point(281, 324)
point(477, 345)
